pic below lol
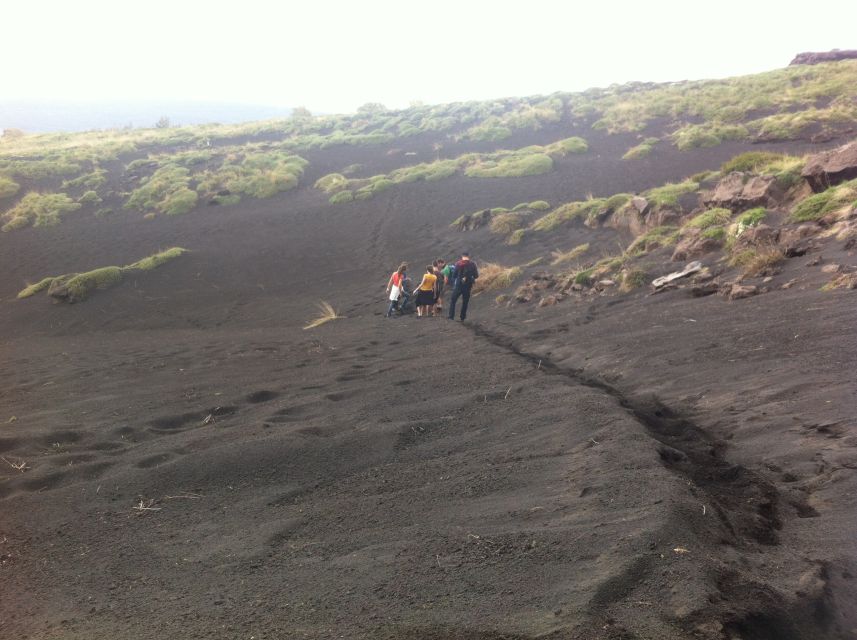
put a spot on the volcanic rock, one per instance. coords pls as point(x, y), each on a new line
point(831, 167)
point(739, 191)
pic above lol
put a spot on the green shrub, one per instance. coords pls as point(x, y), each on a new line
point(714, 233)
point(568, 145)
point(641, 150)
point(707, 135)
point(33, 289)
point(633, 279)
point(559, 257)
point(82, 284)
point(663, 236)
point(155, 260)
point(710, 218)
point(820, 204)
point(813, 207)
point(668, 194)
point(8, 187)
point(752, 217)
point(584, 277)
point(540, 205)
point(226, 200)
point(506, 223)
point(38, 209)
point(752, 161)
point(340, 197)
point(511, 166)
point(89, 197)
point(331, 182)
point(178, 202)
point(516, 237)
point(155, 191)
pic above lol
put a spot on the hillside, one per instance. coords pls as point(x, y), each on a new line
point(590, 455)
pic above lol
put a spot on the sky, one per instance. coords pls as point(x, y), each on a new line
point(332, 56)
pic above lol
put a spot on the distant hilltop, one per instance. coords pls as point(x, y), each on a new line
point(815, 57)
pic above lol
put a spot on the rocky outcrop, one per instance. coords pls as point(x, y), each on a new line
point(816, 57)
point(739, 191)
point(831, 167)
point(473, 221)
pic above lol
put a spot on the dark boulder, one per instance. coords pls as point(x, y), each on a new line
point(831, 167)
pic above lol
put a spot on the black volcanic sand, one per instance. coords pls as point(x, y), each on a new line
point(629, 467)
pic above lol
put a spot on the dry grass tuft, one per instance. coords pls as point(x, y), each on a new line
point(495, 276)
point(560, 257)
point(328, 313)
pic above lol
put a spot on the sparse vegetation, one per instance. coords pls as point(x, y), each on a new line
point(510, 166)
point(8, 187)
point(165, 191)
point(340, 197)
point(38, 209)
point(820, 204)
point(561, 257)
point(663, 236)
point(515, 237)
point(668, 195)
point(710, 218)
point(506, 223)
point(495, 276)
point(633, 279)
point(76, 287)
point(641, 150)
point(758, 262)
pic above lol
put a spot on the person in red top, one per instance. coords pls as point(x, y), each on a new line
point(394, 288)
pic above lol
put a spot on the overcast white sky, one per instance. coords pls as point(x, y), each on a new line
point(333, 56)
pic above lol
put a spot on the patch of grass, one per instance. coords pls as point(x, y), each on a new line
point(641, 150)
point(710, 218)
point(751, 217)
point(340, 197)
point(820, 204)
point(539, 205)
point(33, 289)
point(506, 223)
point(155, 260)
point(708, 135)
point(534, 262)
point(669, 194)
point(560, 257)
point(663, 236)
point(327, 313)
point(751, 161)
point(331, 183)
point(511, 166)
point(568, 145)
point(8, 187)
point(255, 173)
point(715, 233)
point(495, 276)
point(633, 279)
point(155, 191)
point(89, 197)
point(584, 277)
point(80, 285)
point(759, 262)
point(516, 237)
point(38, 209)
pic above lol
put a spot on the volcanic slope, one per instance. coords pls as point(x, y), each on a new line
point(180, 456)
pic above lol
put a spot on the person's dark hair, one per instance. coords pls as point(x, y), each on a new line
point(440, 261)
point(465, 254)
point(402, 268)
point(429, 269)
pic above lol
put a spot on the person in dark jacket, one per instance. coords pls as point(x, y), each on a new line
point(466, 273)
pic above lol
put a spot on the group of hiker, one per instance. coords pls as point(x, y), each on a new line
point(428, 295)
